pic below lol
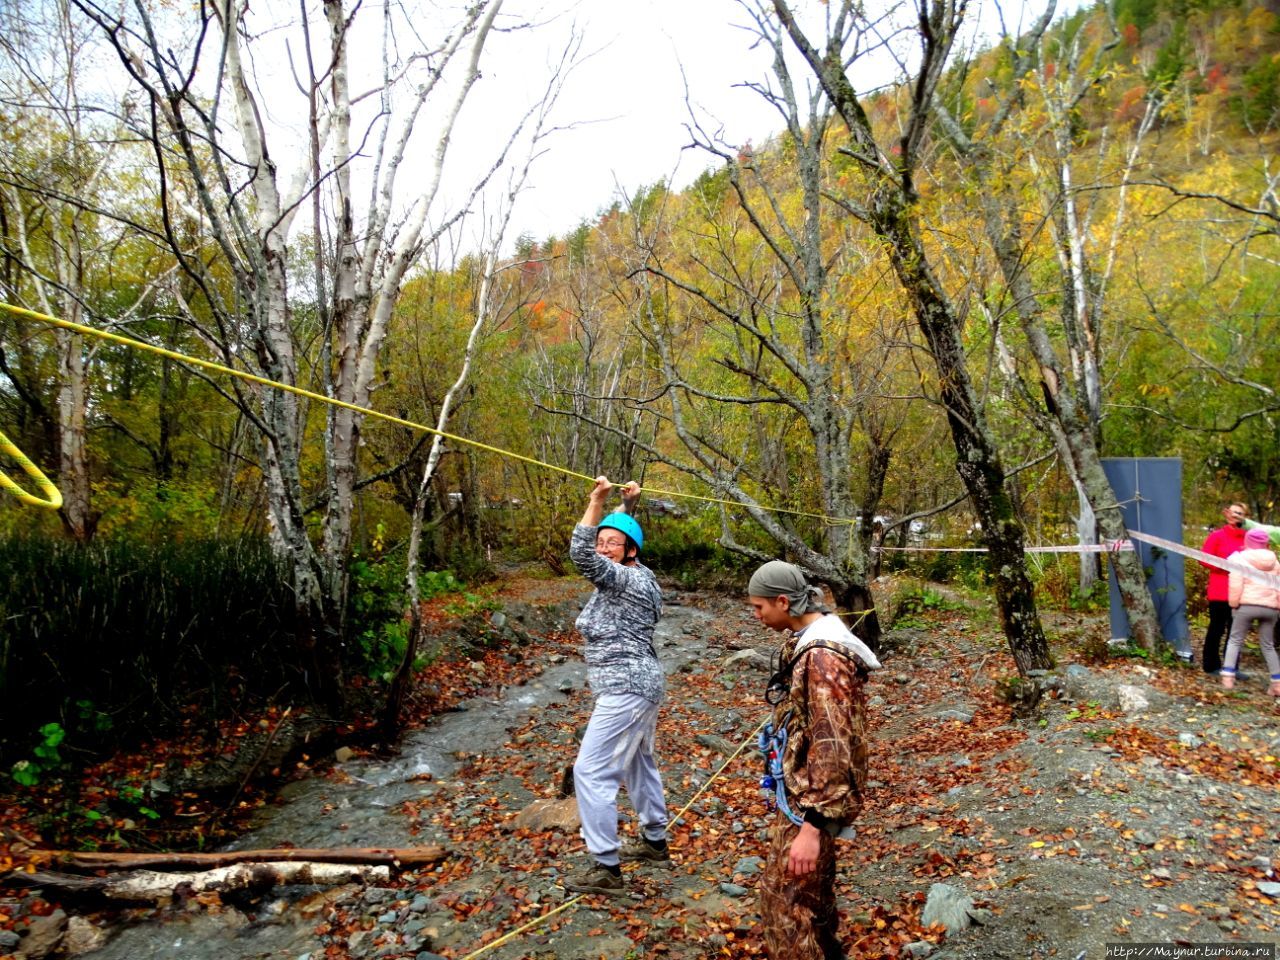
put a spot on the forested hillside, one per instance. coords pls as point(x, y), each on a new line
point(927, 309)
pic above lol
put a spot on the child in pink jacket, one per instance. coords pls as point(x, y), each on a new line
point(1253, 601)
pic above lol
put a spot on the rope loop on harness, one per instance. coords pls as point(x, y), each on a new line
point(52, 495)
point(773, 743)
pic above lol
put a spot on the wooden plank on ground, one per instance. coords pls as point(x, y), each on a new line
point(93, 861)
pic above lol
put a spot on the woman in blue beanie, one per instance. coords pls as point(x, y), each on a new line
point(627, 683)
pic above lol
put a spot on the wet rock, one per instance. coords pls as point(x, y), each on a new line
point(1132, 700)
point(717, 744)
point(543, 815)
point(750, 659)
point(43, 936)
point(733, 889)
point(81, 937)
point(356, 940)
point(947, 906)
point(748, 866)
point(730, 722)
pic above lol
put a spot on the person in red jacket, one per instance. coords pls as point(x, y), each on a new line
point(1223, 542)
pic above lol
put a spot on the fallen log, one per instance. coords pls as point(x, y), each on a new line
point(150, 886)
point(92, 861)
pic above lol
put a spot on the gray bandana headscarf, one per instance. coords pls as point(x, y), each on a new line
point(777, 578)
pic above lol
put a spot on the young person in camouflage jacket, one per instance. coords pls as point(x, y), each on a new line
point(627, 683)
point(817, 696)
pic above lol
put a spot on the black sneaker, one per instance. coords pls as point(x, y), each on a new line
point(596, 879)
point(645, 851)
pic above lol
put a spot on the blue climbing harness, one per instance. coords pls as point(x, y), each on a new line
point(773, 743)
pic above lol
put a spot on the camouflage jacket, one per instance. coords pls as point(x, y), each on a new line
point(825, 761)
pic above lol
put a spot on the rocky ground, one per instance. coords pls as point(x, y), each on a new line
point(1136, 802)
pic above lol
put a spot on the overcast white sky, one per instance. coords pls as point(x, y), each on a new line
point(628, 99)
point(624, 107)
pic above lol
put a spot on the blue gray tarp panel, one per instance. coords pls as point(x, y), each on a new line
point(1149, 490)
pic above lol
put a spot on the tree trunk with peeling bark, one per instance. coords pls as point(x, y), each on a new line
point(247, 209)
point(96, 860)
point(151, 886)
point(890, 209)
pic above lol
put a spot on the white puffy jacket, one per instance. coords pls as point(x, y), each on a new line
point(1245, 591)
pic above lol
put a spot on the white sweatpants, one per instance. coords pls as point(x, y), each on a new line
point(618, 749)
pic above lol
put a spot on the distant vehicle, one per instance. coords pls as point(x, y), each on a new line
point(664, 507)
point(915, 528)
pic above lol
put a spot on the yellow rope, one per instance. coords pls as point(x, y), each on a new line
point(53, 496)
point(511, 935)
point(521, 929)
point(54, 501)
point(751, 738)
point(87, 331)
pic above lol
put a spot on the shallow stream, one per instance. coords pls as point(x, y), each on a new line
point(357, 806)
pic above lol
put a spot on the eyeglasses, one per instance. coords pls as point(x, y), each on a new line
point(611, 543)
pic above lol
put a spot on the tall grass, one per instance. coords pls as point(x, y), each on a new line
point(136, 633)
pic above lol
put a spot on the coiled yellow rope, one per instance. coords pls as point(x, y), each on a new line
point(52, 495)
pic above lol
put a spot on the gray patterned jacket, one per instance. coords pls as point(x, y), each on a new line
point(617, 622)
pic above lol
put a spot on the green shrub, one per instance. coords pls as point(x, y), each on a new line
point(1057, 583)
point(377, 609)
point(685, 549)
point(914, 599)
point(966, 569)
point(119, 636)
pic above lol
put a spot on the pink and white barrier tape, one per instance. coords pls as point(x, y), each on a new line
point(1114, 546)
point(1229, 564)
point(1111, 547)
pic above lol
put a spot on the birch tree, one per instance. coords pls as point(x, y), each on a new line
point(488, 313)
point(1066, 396)
point(207, 103)
point(56, 165)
